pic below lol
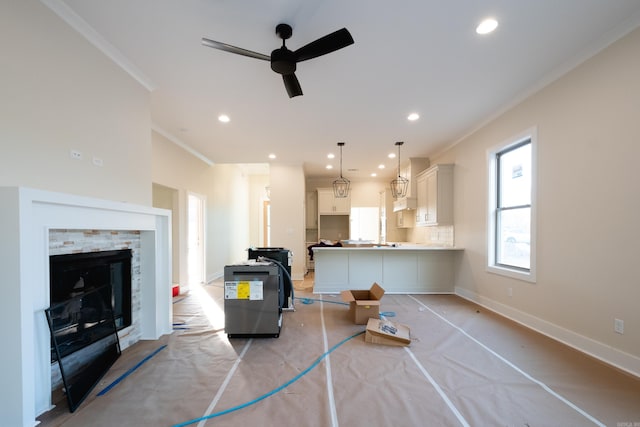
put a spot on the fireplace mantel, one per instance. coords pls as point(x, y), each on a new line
point(26, 216)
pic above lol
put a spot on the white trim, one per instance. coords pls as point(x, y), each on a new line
point(202, 234)
point(179, 143)
point(76, 22)
point(491, 267)
point(607, 354)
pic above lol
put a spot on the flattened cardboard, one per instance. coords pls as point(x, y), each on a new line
point(397, 334)
point(363, 304)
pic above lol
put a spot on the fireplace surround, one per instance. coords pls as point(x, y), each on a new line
point(26, 219)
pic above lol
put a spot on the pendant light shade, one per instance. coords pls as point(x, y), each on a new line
point(399, 185)
point(341, 185)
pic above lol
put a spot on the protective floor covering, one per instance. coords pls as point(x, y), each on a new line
point(465, 366)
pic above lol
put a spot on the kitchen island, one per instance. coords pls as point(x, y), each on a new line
point(403, 269)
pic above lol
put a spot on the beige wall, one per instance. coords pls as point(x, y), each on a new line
point(588, 126)
point(227, 192)
point(168, 198)
point(59, 93)
point(287, 214)
point(256, 199)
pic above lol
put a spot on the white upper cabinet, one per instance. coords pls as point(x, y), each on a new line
point(435, 196)
point(329, 205)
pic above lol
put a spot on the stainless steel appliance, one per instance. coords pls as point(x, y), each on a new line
point(284, 257)
point(253, 298)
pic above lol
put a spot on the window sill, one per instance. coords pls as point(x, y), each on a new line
point(527, 276)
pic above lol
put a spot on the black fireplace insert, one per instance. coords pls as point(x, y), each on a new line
point(71, 275)
point(90, 300)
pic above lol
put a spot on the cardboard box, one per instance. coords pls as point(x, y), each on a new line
point(363, 304)
point(387, 332)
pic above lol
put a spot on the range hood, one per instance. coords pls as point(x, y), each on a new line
point(405, 203)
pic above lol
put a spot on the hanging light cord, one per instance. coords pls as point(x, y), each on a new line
point(341, 144)
point(398, 144)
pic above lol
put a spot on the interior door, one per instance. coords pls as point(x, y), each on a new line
point(195, 244)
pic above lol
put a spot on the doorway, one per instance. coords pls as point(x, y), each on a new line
point(195, 239)
point(266, 223)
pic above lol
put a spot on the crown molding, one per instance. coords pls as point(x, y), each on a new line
point(181, 144)
point(76, 22)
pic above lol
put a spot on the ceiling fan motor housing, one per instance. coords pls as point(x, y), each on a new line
point(283, 61)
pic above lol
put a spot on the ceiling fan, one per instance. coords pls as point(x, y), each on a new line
point(283, 61)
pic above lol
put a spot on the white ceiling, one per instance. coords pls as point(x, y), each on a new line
point(409, 56)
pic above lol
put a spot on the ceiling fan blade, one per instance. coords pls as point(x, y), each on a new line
point(292, 85)
point(233, 49)
point(322, 46)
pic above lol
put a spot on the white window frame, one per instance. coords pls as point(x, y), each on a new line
point(492, 266)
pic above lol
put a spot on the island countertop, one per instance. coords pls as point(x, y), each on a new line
point(404, 247)
point(407, 268)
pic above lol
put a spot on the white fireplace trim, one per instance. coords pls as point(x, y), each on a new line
point(26, 217)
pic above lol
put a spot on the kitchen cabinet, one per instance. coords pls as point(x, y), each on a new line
point(421, 206)
point(403, 269)
point(435, 196)
point(405, 219)
point(329, 205)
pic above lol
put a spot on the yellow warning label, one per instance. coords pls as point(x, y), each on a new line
point(244, 290)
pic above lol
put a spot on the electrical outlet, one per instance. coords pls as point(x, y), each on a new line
point(618, 326)
point(97, 161)
point(75, 154)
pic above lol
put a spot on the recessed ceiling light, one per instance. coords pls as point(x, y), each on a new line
point(330, 156)
point(413, 117)
point(392, 155)
point(224, 118)
point(329, 166)
point(272, 156)
point(487, 26)
point(373, 175)
point(380, 166)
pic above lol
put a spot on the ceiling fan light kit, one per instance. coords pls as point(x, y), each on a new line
point(284, 61)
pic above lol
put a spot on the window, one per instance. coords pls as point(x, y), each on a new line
point(511, 227)
point(364, 224)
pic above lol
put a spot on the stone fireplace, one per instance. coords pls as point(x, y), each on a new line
point(93, 256)
point(35, 224)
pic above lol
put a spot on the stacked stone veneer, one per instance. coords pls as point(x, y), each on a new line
point(62, 242)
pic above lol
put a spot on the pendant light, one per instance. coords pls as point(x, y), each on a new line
point(342, 184)
point(400, 184)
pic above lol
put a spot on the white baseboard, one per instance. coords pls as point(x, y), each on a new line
point(619, 359)
point(214, 276)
